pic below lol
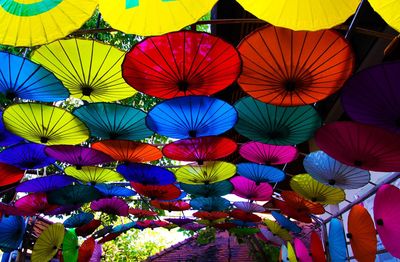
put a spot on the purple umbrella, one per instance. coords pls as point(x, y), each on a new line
point(45, 184)
point(112, 205)
point(246, 188)
point(77, 155)
point(249, 207)
point(179, 221)
point(63, 210)
point(271, 237)
point(193, 226)
point(6, 137)
point(97, 252)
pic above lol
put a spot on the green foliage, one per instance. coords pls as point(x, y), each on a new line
point(206, 236)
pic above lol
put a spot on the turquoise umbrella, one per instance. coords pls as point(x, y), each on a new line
point(211, 190)
point(209, 203)
point(337, 241)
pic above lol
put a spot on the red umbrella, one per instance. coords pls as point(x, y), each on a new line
point(141, 213)
point(9, 174)
point(88, 229)
point(291, 211)
point(225, 225)
point(213, 215)
point(109, 237)
point(246, 188)
point(301, 204)
point(170, 205)
point(152, 223)
point(181, 63)
point(166, 192)
point(244, 216)
point(86, 250)
point(316, 248)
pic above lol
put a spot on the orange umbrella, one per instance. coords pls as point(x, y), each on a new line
point(362, 234)
point(288, 68)
point(298, 202)
point(128, 151)
point(316, 248)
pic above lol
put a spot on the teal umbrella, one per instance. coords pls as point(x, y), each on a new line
point(211, 190)
point(209, 203)
point(73, 195)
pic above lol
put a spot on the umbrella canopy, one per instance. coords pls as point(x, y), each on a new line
point(215, 189)
point(285, 222)
point(114, 206)
point(109, 237)
point(212, 215)
point(70, 246)
point(309, 15)
point(361, 146)
point(302, 253)
point(207, 173)
point(386, 213)
point(45, 184)
point(152, 224)
point(170, 205)
point(362, 234)
point(180, 64)
point(283, 254)
point(6, 137)
point(26, 156)
point(274, 124)
point(88, 228)
point(48, 243)
point(93, 174)
point(10, 174)
point(336, 240)
point(10, 210)
point(44, 124)
point(180, 221)
point(291, 255)
point(315, 191)
point(331, 172)
point(128, 151)
point(387, 10)
point(380, 84)
point(316, 248)
point(77, 155)
point(160, 192)
point(21, 78)
point(97, 253)
point(301, 204)
point(73, 195)
point(246, 188)
point(114, 121)
point(244, 216)
point(192, 226)
point(277, 230)
point(200, 149)
point(261, 153)
point(33, 204)
point(301, 214)
point(260, 173)
point(12, 230)
point(146, 174)
point(78, 220)
point(91, 70)
point(37, 23)
point(291, 68)
point(141, 213)
point(109, 190)
point(123, 227)
point(209, 203)
point(63, 210)
point(86, 250)
point(191, 116)
point(270, 237)
point(148, 18)
point(249, 207)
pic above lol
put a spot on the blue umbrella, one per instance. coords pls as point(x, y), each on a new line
point(78, 220)
point(209, 203)
point(109, 190)
point(45, 184)
point(6, 137)
point(260, 173)
point(114, 121)
point(12, 230)
point(285, 222)
point(337, 241)
point(191, 116)
point(123, 227)
point(211, 190)
point(22, 78)
point(241, 223)
point(146, 174)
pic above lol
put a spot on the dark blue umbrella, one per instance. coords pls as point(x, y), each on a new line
point(241, 223)
point(22, 78)
point(78, 220)
point(109, 190)
point(260, 173)
point(6, 137)
point(209, 203)
point(337, 241)
point(26, 156)
point(191, 116)
point(12, 229)
point(146, 174)
point(285, 222)
point(45, 184)
point(211, 190)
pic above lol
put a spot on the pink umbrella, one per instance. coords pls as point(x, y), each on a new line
point(302, 253)
point(386, 216)
point(261, 153)
point(33, 204)
point(112, 205)
point(97, 252)
point(246, 188)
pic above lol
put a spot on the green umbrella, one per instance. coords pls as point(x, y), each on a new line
point(73, 195)
point(70, 246)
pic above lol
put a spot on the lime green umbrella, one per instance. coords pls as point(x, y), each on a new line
point(93, 174)
point(277, 230)
point(48, 243)
point(207, 173)
point(70, 246)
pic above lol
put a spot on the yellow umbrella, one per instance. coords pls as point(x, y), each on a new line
point(277, 230)
point(291, 254)
point(48, 243)
point(93, 174)
point(153, 17)
point(45, 124)
point(315, 191)
point(89, 69)
point(207, 173)
point(388, 10)
point(30, 23)
point(310, 15)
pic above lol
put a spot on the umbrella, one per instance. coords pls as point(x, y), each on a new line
point(224, 226)
point(285, 222)
point(331, 172)
point(361, 146)
point(160, 192)
point(249, 207)
point(261, 153)
point(48, 243)
point(315, 191)
point(114, 206)
point(73, 195)
point(180, 64)
point(275, 125)
point(109, 190)
point(192, 226)
point(102, 232)
point(302, 15)
point(114, 121)
point(301, 214)
point(270, 237)
point(44, 124)
point(292, 68)
point(93, 174)
point(380, 84)
point(88, 228)
point(291, 255)
point(33, 204)
point(387, 10)
point(302, 253)
point(301, 204)
point(209, 203)
point(78, 220)
point(246, 188)
point(362, 234)
point(191, 116)
point(21, 78)
point(77, 155)
point(170, 205)
point(70, 246)
point(386, 214)
point(9, 210)
point(337, 242)
point(123, 227)
point(6, 137)
point(212, 215)
point(10, 174)
point(26, 156)
point(37, 23)
point(108, 237)
point(146, 174)
point(180, 221)
point(148, 18)
point(91, 70)
point(12, 230)
point(86, 250)
point(215, 189)
point(207, 173)
point(152, 224)
point(141, 213)
point(200, 149)
point(45, 184)
point(128, 151)
point(63, 210)
point(244, 216)
point(283, 254)
point(97, 253)
point(260, 173)
point(277, 230)
point(316, 248)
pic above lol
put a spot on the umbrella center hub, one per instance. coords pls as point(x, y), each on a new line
point(183, 85)
point(349, 235)
point(331, 182)
point(291, 85)
point(379, 222)
point(192, 133)
point(44, 139)
point(358, 163)
point(10, 95)
point(86, 90)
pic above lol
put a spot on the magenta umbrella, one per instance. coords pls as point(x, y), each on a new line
point(360, 145)
point(246, 188)
point(267, 154)
point(112, 205)
point(35, 203)
point(302, 252)
point(386, 216)
point(97, 252)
